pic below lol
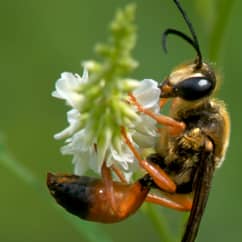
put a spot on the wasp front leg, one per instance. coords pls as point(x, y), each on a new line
point(174, 127)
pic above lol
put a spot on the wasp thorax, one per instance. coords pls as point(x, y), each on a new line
point(189, 82)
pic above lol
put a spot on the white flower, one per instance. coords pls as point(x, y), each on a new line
point(73, 117)
point(148, 95)
point(94, 140)
point(67, 88)
point(84, 155)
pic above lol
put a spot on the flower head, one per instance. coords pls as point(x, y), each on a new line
point(89, 146)
point(100, 105)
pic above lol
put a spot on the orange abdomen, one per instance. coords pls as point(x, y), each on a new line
point(87, 198)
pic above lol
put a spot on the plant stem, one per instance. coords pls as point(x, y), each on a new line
point(225, 8)
point(88, 230)
point(159, 222)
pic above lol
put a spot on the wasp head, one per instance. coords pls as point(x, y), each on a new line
point(189, 82)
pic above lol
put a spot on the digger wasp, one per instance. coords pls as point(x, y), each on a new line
point(193, 142)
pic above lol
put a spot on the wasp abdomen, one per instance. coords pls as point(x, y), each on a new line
point(72, 192)
point(88, 198)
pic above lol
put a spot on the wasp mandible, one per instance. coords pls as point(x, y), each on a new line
point(193, 142)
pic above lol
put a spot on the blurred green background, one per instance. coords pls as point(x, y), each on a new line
point(41, 39)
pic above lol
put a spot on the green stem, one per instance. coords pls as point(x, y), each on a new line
point(89, 230)
point(159, 222)
point(219, 28)
point(184, 219)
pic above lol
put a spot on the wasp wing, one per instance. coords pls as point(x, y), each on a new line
point(202, 184)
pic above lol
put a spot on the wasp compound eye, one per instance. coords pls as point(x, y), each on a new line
point(194, 88)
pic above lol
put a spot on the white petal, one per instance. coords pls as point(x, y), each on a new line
point(84, 160)
point(80, 164)
point(64, 133)
point(128, 175)
point(67, 149)
point(129, 170)
point(73, 117)
point(67, 88)
point(145, 141)
point(148, 93)
point(79, 141)
point(94, 163)
point(85, 76)
point(65, 84)
point(124, 156)
point(147, 125)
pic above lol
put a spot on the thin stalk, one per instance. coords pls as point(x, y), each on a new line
point(159, 222)
point(85, 229)
point(224, 11)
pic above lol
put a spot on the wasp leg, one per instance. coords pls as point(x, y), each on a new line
point(163, 101)
point(119, 174)
point(181, 202)
point(161, 179)
point(175, 127)
point(108, 183)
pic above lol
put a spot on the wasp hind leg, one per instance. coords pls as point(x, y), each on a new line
point(181, 202)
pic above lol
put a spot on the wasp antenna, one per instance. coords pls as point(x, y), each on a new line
point(175, 32)
point(193, 41)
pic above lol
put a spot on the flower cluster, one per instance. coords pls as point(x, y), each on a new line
point(100, 104)
point(82, 143)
